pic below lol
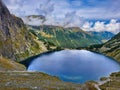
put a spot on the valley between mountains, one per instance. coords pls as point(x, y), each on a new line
point(20, 41)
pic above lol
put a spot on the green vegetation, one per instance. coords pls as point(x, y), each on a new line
point(63, 37)
point(17, 43)
point(103, 36)
point(110, 48)
point(34, 47)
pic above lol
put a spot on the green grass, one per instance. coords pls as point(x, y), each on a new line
point(64, 37)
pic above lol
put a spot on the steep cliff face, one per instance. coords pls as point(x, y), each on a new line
point(12, 36)
point(15, 42)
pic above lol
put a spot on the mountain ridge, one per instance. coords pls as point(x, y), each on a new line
point(71, 37)
point(75, 36)
point(104, 36)
point(16, 42)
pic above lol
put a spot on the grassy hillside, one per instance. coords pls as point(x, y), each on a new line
point(103, 36)
point(110, 48)
point(37, 81)
point(63, 37)
point(8, 65)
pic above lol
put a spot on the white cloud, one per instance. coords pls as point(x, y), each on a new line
point(87, 26)
point(33, 21)
point(72, 20)
point(99, 26)
point(45, 8)
point(70, 12)
point(30, 7)
point(107, 10)
point(69, 20)
point(50, 20)
point(113, 26)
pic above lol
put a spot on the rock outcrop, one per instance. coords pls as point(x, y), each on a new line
point(16, 42)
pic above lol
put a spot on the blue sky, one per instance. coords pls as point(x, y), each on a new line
point(71, 12)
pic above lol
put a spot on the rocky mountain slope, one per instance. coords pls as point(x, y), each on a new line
point(63, 37)
point(16, 42)
point(110, 48)
point(39, 20)
point(104, 36)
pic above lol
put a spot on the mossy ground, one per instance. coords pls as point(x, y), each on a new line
point(33, 81)
point(9, 65)
point(113, 84)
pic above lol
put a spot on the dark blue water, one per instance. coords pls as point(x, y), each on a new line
point(75, 65)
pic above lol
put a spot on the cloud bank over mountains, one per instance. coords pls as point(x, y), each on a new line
point(71, 13)
point(113, 26)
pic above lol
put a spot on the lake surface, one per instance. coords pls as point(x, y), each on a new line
point(75, 65)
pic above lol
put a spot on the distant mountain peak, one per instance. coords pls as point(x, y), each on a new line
point(36, 16)
point(35, 20)
point(103, 35)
